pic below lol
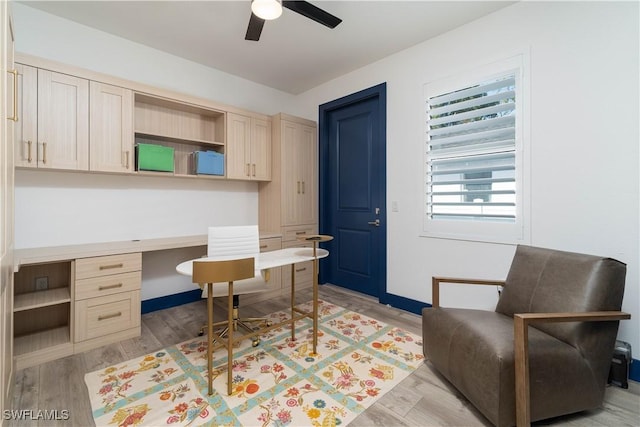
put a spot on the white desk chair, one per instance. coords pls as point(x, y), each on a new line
point(235, 242)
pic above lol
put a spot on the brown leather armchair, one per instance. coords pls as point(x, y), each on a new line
point(515, 374)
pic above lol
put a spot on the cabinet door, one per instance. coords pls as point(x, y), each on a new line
point(26, 128)
point(63, 121)
point(299, 174)
point(111, 128)
point(291, 185)
point(308, 172)
point(238, 147)
point(261, 149)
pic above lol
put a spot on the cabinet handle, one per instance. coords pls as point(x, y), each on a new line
point(254, 169)
point(263, 246)
point(298, 187)
point(106, 287)
point(29, 157)
point(300, 232)
point(298, 270)
point(302, 187)
point(126, 162)
point(110, 316)
point(110, 266)
point(15, 95)
point(247, 169)
point(44, 153)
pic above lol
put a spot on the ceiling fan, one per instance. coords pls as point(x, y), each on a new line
point(262, 10)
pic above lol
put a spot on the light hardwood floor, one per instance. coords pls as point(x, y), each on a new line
point(423, 399)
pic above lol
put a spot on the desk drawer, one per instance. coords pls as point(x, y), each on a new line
point(291, 233)
point(106, 265)
point(270, 244)
point(107, 285)
point(96, 317)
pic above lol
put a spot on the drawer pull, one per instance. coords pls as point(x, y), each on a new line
point(300, 232)
point(110, 316)
point(104, 288)
point(110, 266)
point(263, 246)
point(298, 270)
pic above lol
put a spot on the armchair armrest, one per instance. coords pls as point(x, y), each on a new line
point(521, 348)
point(435, 286)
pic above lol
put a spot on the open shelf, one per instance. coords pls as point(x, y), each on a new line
point(176, 121)
point(215, 145)
point(42, 340)
point(42, 312)
point(37, 299)
point(184, 127)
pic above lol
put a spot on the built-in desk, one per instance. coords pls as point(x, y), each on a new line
point(69, 299)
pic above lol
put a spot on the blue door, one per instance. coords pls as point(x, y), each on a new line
point(352, 190)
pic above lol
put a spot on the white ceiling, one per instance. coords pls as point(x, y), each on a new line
point(294, 53)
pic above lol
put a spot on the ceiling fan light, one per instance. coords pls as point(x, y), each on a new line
point(266, 9)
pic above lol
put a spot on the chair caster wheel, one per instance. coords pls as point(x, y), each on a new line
point(255, 343)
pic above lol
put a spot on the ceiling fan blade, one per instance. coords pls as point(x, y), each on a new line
point(255, 28)
point(310, 11)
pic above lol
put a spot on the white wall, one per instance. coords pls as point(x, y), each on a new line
point(583, 133)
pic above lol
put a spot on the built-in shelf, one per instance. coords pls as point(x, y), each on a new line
point(37, 299)
point(178, 139)
point(184, 127)
point(42, 341)
point(42, 312)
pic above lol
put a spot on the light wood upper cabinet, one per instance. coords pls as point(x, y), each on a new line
point(55, 110)
point(63, 121)
point(299, 173)
point(248, 148)
point(111, 128)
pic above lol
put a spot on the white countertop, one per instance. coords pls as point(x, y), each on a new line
point(266, 260)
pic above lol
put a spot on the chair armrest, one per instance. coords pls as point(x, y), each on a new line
point(521, 323)
point(435, 286)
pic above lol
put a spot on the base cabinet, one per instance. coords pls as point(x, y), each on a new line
point(107, 299)
point(68, 307)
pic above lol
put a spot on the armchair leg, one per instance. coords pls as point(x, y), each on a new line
point(521, 349)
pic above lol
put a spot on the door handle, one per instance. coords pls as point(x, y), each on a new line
point(376, 223)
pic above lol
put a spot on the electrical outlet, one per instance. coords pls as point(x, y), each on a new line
point(42, 283)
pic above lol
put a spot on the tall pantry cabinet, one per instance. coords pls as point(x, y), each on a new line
point(9, 116)
point(289, 202)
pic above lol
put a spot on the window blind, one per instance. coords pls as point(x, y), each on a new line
point(471, 145)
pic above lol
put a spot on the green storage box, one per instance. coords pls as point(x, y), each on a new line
point(152, 157)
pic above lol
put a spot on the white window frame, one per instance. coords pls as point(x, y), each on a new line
point(477, 230)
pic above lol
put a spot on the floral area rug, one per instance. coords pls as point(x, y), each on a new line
point(278, 383)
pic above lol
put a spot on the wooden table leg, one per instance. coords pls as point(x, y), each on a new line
point(230, 339)
point(315, 300)
point(293, 300)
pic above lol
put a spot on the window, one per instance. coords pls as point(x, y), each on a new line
point(474, 164)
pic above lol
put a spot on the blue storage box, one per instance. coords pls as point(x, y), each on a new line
point(209, 163)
